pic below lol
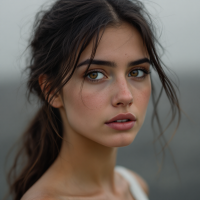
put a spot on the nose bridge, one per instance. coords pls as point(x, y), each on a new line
point(122, 92)
point(123, 85)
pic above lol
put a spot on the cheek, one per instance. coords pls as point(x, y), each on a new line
point(143, 97)
point(83, 108)
point(142, 100)
point(94, 97)
point(84, 104)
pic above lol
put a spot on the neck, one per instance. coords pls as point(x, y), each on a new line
point(86, 162)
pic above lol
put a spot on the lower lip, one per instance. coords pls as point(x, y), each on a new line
point(121, 126)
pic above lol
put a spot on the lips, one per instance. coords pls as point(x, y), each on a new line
point(128, 116)
point(117, 124)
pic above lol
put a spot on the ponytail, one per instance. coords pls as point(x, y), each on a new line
point(60, 34)
point(40, 147)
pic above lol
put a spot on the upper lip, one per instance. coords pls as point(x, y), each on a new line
point(129, 116)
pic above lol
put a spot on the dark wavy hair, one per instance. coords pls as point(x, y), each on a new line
point(60, 35)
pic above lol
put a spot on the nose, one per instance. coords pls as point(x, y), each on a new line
point(122, 96)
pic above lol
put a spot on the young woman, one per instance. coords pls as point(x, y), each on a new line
point(90, 67)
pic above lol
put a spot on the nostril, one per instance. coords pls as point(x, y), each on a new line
point(130, 103)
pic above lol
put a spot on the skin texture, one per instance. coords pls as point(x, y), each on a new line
point(84, 168)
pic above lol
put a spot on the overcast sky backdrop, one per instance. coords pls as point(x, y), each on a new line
point(179, 21)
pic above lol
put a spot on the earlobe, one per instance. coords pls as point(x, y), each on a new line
point(56, 102)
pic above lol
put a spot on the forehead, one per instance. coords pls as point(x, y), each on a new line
point(116, 43)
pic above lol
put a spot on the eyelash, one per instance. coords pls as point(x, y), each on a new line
point(146, 72)
point(93, 80)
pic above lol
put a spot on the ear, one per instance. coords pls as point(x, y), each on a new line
point(56, 102)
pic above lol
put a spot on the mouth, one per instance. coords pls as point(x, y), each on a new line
point(122, 122)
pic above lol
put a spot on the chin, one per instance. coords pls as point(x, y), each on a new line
point(120, 140)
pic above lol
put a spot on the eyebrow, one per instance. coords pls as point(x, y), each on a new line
point(112, 64)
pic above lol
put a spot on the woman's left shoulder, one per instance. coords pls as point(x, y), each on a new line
point(141, 181)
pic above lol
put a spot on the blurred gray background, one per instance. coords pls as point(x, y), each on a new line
point(178, 24)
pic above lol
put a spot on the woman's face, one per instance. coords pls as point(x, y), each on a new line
point(116, 83)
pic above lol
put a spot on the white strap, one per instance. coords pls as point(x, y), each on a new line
point(135, 188)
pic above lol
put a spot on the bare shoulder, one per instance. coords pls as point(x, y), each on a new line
point(37, 194)
point(38, 197)
point(141, 181)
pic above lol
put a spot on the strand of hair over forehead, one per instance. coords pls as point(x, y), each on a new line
point(56, 50)
point(159, 69)
point(74, 61)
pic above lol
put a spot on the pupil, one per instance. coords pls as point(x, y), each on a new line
point(134, 73)
point(93, 75)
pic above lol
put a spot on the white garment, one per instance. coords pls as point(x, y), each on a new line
point(136, 191)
